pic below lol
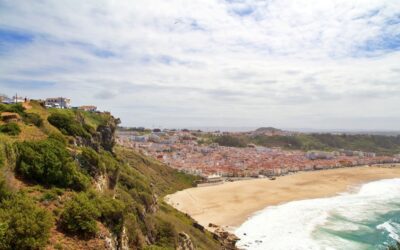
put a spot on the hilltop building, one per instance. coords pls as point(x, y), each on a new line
point(89, 108)
point(15, 99)
point(6, 100)
point(58, 102)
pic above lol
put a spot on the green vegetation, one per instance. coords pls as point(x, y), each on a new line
point(79, 216)
point(384, 145)
point(86, 189)
point(33, 118)
point(13, 108)
point(23, 225)
point(143, 170)
point(111, 212)
point(68, 125)
point(139, 178)
point(231, 141)
point(48, 162)
point(10, 129)
point(90, 162)
point(51, 194)
point(29, 118)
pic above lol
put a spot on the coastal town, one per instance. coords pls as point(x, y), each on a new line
point(184, 150)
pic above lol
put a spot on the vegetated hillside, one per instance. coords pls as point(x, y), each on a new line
point(63, 185)
point(384, 145)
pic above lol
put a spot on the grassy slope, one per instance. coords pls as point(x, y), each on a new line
point(166, 180)
point(160, 178)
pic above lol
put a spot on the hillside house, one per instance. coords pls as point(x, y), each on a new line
point(89, 108)
point(6, 100)
point(58, 102)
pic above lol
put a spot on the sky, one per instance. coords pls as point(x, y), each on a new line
point(332, 64)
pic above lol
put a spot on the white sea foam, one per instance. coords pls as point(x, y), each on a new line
point(392, 228)
point(303, 224)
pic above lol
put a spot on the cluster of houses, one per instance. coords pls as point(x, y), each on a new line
point(15, 99)
point(185, 151)
point(323, 155)
point(54, 102)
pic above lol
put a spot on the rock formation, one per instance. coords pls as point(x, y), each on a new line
point(184, 242)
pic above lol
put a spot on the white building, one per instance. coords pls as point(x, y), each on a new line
point(58, 102)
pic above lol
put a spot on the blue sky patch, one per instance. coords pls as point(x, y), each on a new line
point(15, 37)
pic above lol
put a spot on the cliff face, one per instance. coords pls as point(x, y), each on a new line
point(107, 133)
point(118, 200)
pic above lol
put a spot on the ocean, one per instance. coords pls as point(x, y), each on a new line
point(368, 217)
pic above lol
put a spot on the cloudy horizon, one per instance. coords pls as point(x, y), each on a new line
point(210, 63)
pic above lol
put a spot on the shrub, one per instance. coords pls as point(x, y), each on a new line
point(79, 216)
point(33, 118)
point(4, 191)
point(58, 137)
point(52, 194)
point(166, 233)
point(90, 162)
point(112, 213)
point(23, 225)
point(10, 129)
point(68, 125)
point(48, 162)
point(14, 108)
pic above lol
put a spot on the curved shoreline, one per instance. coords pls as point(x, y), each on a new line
point(231, 204)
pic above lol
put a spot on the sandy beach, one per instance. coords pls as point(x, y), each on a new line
point(232, 203)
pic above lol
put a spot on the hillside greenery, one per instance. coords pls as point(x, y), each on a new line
point(48, 162)
point(383, 145)
point(50, 180)
point(23, 225)
point(10, 129)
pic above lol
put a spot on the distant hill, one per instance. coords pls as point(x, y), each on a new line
point(271, 137)
point(267, 130)
point(65, 185)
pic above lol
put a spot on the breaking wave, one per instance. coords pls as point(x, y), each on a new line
point(366, 219)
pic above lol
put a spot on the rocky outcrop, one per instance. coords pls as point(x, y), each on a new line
point(101, 182)
point(184, 242)
point(107, 134)
point(123, 240)
point(91, 142)
point(154, 206)
point(227, 240)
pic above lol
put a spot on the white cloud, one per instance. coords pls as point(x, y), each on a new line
point(212, 62)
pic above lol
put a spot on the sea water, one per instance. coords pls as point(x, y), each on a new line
point(368, 218)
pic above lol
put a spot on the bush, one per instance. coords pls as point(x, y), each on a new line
point(10, 129)
point(112, 213)
point(23, 225)
point(79, 216)
point(166, 234)
point(48, 162)
point(58, 137)
point(14, 108)
point(33, 118)
point(68, 125)
point(51, 195)
point(90, 162)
